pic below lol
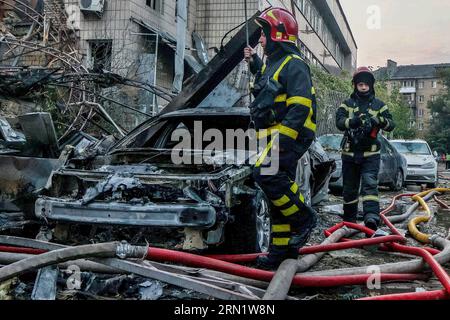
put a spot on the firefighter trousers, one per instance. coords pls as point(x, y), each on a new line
point(361, 172)
point(292, 219)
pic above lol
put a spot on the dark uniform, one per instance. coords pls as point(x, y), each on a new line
point(290, 123)
point(361, 118)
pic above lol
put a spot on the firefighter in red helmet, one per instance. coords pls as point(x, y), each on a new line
point(361, 118)
point(284, 114)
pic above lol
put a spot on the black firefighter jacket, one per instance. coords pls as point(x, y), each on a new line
point(294, 107)
point(355, 140)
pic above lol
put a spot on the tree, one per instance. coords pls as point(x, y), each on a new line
point(439, 133)
point(400, 111)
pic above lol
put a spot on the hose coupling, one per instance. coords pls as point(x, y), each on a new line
point(125, 250)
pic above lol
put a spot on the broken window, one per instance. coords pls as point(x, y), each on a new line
point(100, 55)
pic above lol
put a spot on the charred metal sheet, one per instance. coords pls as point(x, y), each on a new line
point(159, 215)
point(40, 133)
point(45, 284)
point(20, 176)
point(8, 134)
point(216, 70)
point(234, 174)
point(112, 183)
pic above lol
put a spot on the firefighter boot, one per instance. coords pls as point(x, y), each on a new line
point(298, 240)
point(273, 260)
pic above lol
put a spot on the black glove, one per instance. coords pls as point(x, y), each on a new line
point(377, 122)
point(355, 123)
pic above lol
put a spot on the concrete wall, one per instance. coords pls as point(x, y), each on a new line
point(215, 18)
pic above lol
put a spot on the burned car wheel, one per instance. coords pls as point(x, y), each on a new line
point(250, 230)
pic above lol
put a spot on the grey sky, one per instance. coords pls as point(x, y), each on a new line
point(411, 31)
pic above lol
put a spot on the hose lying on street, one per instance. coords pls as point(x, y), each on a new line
point(219, 290)
point(84, 265)
point(61, 255)
point(282, 280)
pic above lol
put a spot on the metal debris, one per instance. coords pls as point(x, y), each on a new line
point(45, 285)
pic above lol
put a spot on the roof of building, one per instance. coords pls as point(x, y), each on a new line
point(411, 71)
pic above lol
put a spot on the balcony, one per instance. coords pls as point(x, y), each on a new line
point(408, 90)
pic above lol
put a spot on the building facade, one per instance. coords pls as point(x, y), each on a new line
point(419, 84)
point(138, 39)
point(325, 37)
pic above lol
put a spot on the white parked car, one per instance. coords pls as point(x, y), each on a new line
point(422, 166)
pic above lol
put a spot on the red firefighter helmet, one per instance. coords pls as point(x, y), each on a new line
point(283, 26)
point(363, 73)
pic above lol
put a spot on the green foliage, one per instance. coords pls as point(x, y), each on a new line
point(400, 111)
point(324, 82)
point(439, 133)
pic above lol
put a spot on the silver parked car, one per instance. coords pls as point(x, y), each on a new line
point(393, 164)
point(422, 166)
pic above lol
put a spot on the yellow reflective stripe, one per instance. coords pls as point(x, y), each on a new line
point(263, 68)
point(302, 198)
point(350, 110)
point(281, 202)
point(292, 38)
point(291, 133)
point(373, 112)
point(371, 198)
point(281, 98)
point(281, 228)
point(374, 147)
point(307, 103)
point(277, 73)
point(313, 91)
point(352, 202)
point(299, 100)
point(308, 122)
point(264, 154)
point(267, 132)
point(294, 188)
point(385, 108)
point(289, 212)
point(280, 241)
point(347, 123)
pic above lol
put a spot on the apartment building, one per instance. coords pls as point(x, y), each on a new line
point(325, 37)
point(138, 38)
point(419, 84)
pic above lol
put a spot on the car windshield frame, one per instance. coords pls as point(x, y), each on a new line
point(407, 148)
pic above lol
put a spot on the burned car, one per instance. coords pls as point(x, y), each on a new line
point(213, 197)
